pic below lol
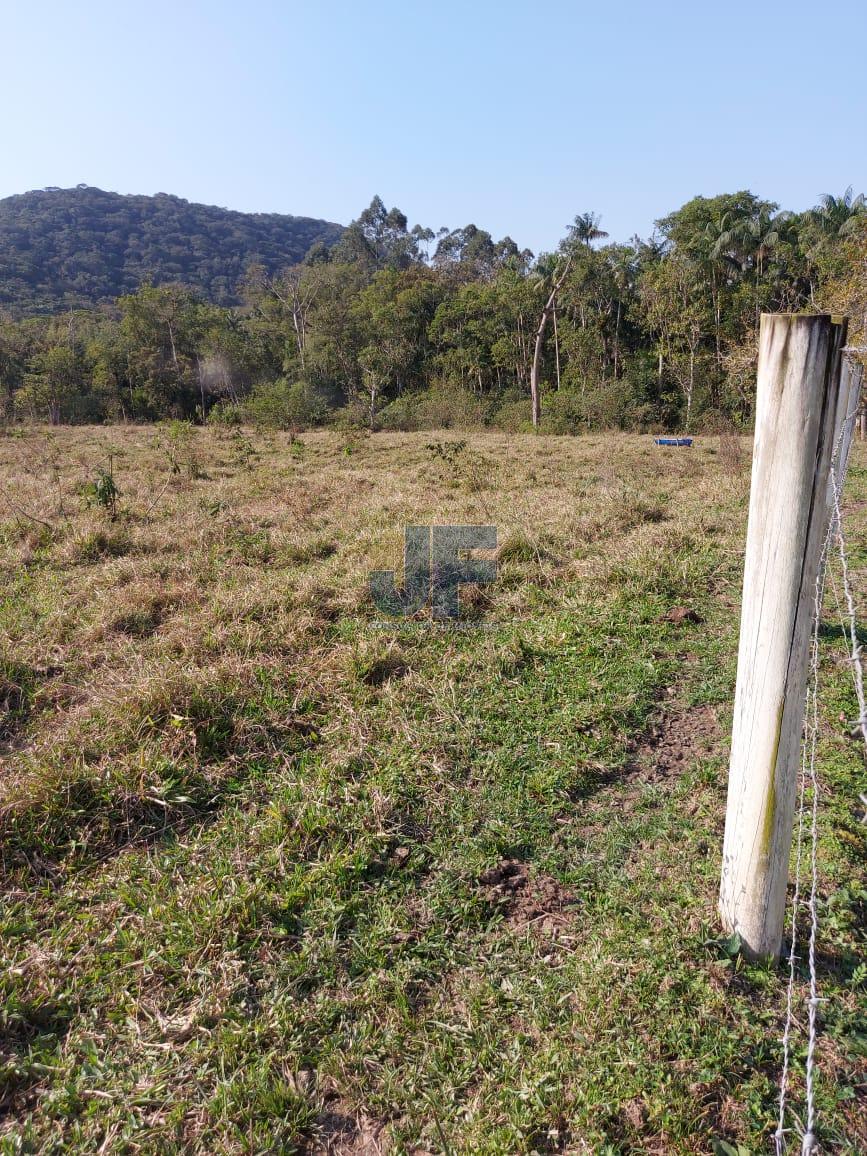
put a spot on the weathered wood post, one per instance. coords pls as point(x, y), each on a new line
point(798, 416)
point(851, 380)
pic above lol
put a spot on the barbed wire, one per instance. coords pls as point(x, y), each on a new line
point(809, 779)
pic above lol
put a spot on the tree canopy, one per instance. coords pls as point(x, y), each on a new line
point(62, 248)
point(390, 325)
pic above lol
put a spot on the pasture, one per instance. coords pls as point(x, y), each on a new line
point(279, 876)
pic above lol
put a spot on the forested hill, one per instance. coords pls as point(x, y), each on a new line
point(77, 247)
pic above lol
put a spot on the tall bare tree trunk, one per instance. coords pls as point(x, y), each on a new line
point(556, 346)
point(174, 349)
point(540, 341)
point(717, 315)
point(372, 409)
point(201, 377)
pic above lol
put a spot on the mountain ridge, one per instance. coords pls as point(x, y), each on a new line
point(83, 246)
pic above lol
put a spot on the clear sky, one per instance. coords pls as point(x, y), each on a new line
point(514, 116)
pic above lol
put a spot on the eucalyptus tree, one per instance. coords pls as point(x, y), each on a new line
point(622, 262)
point(15, 348)
point(380, 238)
point(394, 313)
point(335, 330)
point(163, 326)
point(464, 331)
point(675, 309)
point(282, 303)
point(517, 310)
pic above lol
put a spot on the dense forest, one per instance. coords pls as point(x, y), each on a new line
point(73, 248)
point(387, 326)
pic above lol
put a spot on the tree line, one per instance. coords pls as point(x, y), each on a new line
point(403, 328)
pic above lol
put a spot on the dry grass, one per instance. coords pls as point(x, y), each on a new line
point(210, 577)
point(244, 825)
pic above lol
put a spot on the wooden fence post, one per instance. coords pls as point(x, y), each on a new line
point(798, 416)
point(851, 374)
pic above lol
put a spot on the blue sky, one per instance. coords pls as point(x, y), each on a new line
point(514, 116)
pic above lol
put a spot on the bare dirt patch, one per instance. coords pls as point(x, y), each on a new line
point(340, 1132)
point(537, 902)
point(676, 739)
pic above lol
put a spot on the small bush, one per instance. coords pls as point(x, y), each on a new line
point(402, 414)
point(103, 491)
point(447, 407)
point(353, 417)
point(447, 451)
point(513, 416)
point(563, 412)
point(285, 405)
point(227, 414)
point(177, 440)
point(243, 452)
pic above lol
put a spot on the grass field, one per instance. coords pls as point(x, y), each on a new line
point(278, 877)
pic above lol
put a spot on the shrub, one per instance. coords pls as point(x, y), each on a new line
point(177, 440)
point(605, 404)
point(563, 412)
point(227, 414)
point(401, 414)
point(443, 406)
point(285, 405)
point(513, 416)
point(352, 417)
point(103, 491)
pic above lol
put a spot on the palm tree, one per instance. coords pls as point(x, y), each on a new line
point(833, 218)
point(718, 256)
point(787, 266)
point(758, 237)
point(586, 229)
point(836, 216)
point(766, 232)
